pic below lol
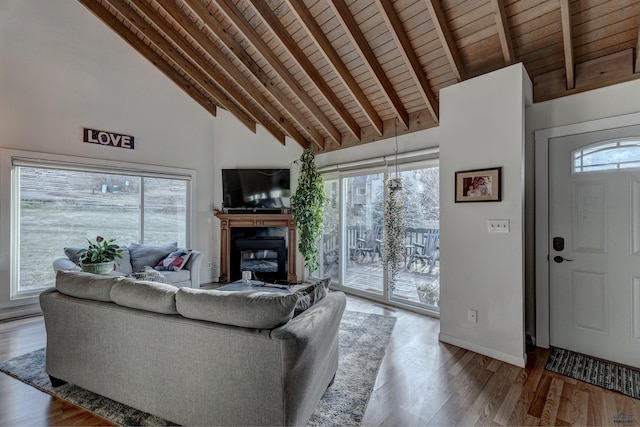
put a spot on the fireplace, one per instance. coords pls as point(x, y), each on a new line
point(266, 257)
point(262, 243)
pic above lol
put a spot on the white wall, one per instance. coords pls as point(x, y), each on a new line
point(62, 69)
point(482, 126)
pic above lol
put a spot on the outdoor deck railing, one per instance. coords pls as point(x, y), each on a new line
point(422, 245)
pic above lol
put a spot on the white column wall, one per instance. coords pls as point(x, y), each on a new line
point(482, 126)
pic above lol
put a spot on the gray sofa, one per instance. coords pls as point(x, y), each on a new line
point(192, 356)
point(135, 257)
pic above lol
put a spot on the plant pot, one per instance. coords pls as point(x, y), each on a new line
point(427, 298)
point(99, 268)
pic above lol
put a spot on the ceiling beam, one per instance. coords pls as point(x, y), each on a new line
point(351, 28)
point(272, 21)
point(409, 55)
point(135, 20)
point(172, 34)
point(446, 39)
point(567, 42)
point(307, 21)
point(238, 51)
point(226, 66)
point(252, 37)
point(503, 31)
point(153, 57)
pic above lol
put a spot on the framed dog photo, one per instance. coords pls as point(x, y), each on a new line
point(480, 185)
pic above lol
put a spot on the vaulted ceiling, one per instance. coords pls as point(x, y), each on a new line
point(337, 73)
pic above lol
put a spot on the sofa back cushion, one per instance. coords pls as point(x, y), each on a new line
point(146, 255)
point(249, 309)
point(86, 285)
point(123, 264)
point(73, 254)
point(148, 296)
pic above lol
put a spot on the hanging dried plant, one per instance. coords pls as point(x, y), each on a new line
point(394, 228)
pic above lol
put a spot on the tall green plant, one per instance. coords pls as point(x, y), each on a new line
point(307, 206)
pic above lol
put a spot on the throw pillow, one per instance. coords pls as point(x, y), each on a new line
point(146, 255)
point(175, 261)
point(318, 289)
point(149, 274)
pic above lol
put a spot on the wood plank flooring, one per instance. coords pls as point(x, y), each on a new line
point(421, 382)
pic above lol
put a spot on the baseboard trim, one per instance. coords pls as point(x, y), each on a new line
point(508, 358)
point(19, 312)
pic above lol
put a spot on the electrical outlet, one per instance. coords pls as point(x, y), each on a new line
point(472, 316)
point(210, 265)
point(498, 225)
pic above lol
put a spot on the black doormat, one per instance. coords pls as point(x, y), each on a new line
point(603, 374)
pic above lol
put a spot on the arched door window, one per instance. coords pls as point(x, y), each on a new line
point(607, 155)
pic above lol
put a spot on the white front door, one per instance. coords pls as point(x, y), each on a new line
point(594, 254)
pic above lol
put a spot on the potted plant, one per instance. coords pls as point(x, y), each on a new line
point(307, 207)
point(429, 293)
point(99, 257)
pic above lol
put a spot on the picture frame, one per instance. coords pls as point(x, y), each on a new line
point(479, 185)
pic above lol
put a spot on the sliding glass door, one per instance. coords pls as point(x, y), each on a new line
point(353, 240)
point(362, 232)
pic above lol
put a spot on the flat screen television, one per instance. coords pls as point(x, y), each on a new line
point(256, 188)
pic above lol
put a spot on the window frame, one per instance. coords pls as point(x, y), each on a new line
point(578, 155)
point(10, 160)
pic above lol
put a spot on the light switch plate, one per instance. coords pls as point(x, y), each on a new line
point(498, 226)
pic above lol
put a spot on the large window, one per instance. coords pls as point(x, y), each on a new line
point(58, 207)
point(353, 241)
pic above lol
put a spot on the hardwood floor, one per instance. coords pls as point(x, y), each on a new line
point(421, 382)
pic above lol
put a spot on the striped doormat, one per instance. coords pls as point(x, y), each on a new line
point(593, 371)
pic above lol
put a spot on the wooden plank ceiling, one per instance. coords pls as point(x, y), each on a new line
point(337, 73)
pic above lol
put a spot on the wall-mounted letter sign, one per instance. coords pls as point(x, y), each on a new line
point(94, 136)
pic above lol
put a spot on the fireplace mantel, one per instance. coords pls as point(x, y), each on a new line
point(228, 221)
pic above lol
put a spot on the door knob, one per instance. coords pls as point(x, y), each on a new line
point(559, 259)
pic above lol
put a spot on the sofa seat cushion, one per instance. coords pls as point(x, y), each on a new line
point(177, 276)
point(86, 285)
point(143, 295)
point(146, 255)
point(249, 309)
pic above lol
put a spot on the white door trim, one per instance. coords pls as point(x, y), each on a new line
point(542, 138)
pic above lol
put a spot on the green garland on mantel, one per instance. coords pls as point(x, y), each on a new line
point(307, 208)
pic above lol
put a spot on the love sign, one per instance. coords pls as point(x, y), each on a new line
point(111, 139)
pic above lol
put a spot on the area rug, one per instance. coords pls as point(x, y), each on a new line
point(593, 371)
point(363, 342)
